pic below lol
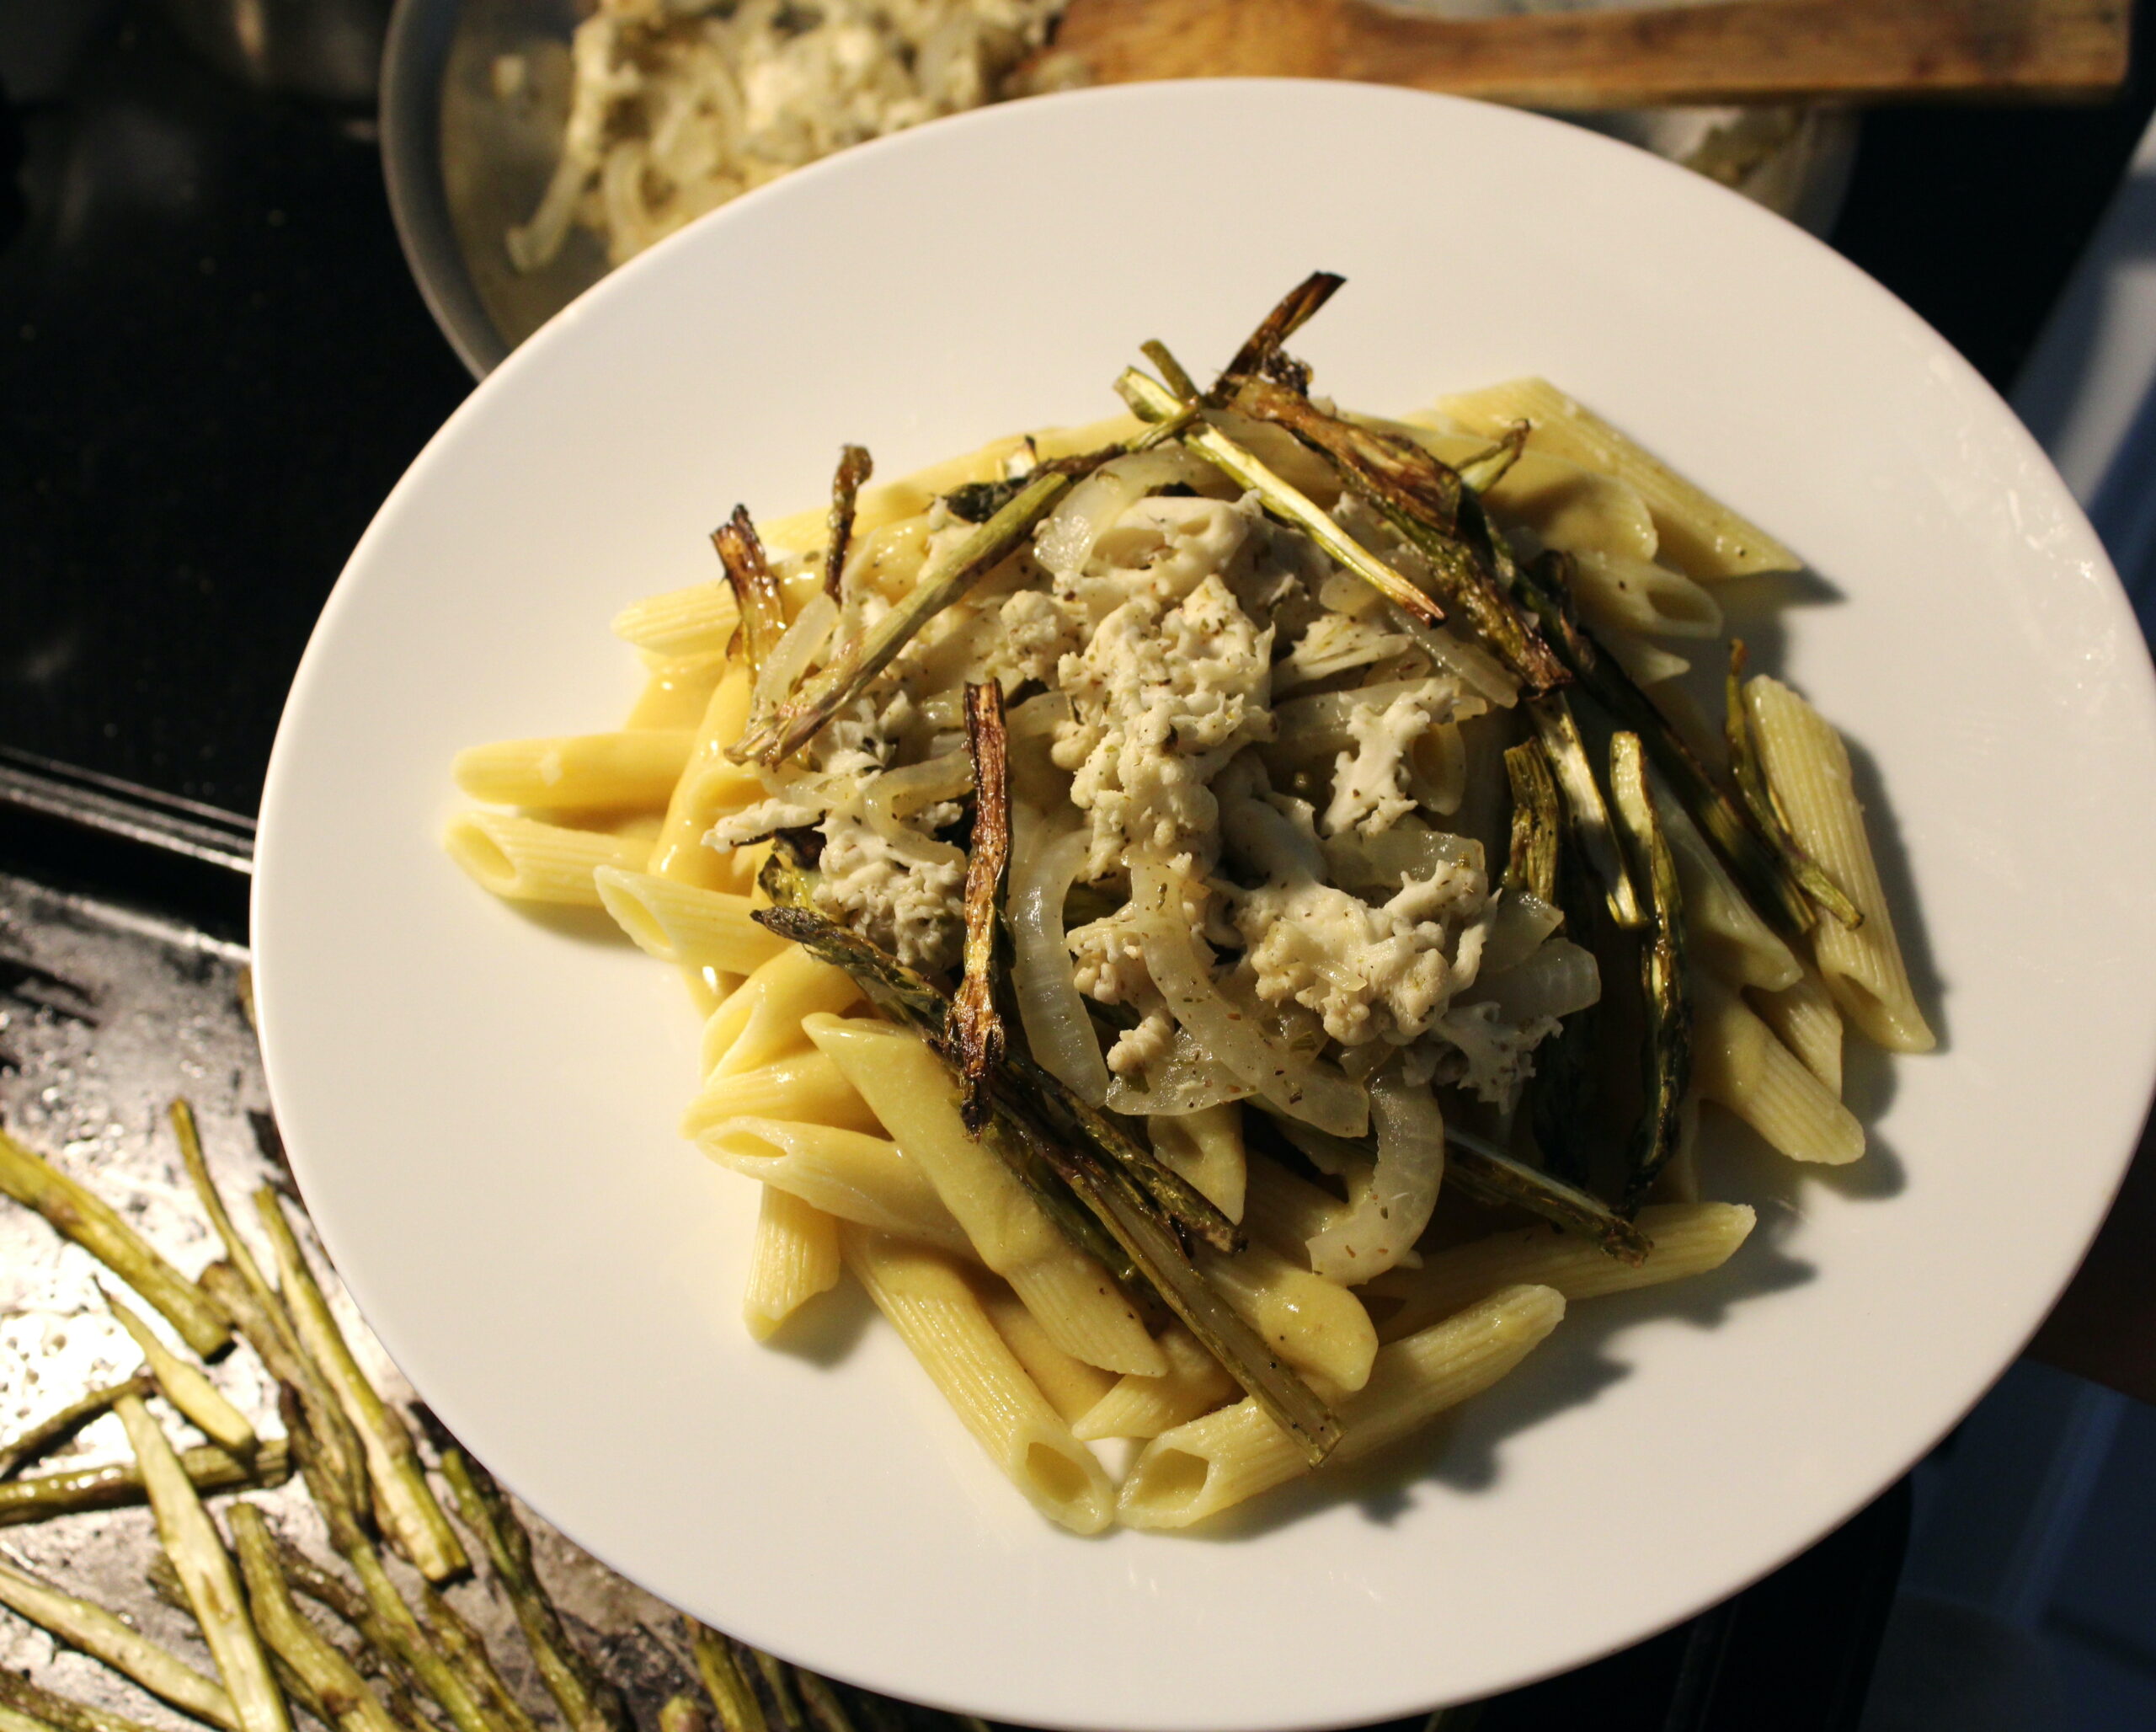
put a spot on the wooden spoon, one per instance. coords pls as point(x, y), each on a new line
point(1748, 51)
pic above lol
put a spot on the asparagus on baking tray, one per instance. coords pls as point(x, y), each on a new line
point(428, 1665)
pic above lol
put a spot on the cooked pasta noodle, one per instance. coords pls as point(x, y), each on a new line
point(796, 1257)
point(524, 861)
point(1805, 1019)
point(1808, 767)
point(1210, 1464)
point(937, 1316)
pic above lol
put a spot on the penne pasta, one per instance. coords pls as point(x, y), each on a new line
point(710, 786)
point(1193, 1383)
point(1805, 1020)
point(1285, 1210)
point(522, 860)
point(1697, 534)
point(1738, 1063)
point(1316, 1324)
point(1213, 1463)
point(760, 1020)
point(909, 1090)
point(1635, 594)
point(1644, 663)
point(849, 1174)
point(1256, 841)
point(935, 1314)
point(805, 1087)
point(1205, 1147)
point(680, 923)
point(1808, 768)
point(709, 988)
point(1725, 931)
point(699, 620)
point(796, 1257)
point(678, 693)
point(1690, 1239)
point(635, 769)
point(1072, 1387)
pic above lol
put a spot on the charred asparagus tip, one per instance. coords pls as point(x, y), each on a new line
point(1294, 310)
point(974, 1029)
point(855, 468)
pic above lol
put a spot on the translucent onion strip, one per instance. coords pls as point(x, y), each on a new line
point(796, 650)
point(1518, 927)
point(1065, 542)
point(1298, 1085)
point(1560, 978)
point(1043, 868)
point(1186, 1081)
point(1389, 1213)
point(896, 794)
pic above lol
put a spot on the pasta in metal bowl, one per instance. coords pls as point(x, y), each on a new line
point(1223, 921)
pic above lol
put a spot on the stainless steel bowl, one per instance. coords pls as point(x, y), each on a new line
point(466, 162)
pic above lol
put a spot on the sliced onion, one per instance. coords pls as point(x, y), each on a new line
point(1043, 866)
point(1298, 1084)
point(1187, 1081)
point(1319, 723)
point(1387, 1212)
point(1042, 714)
point(1407, 850)
point(1559, 979)
point(1518, 925)
point(794, 651)
point(1470, 663)
point(1064, 543)
point(895, 795)
point(1437, 768)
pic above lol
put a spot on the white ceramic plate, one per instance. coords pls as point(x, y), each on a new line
point(481, 1106)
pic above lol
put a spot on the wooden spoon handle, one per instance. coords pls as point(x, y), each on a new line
point(1747, 50)
point(1752, 51)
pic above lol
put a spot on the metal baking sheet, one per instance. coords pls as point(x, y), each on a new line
point(107, 1015)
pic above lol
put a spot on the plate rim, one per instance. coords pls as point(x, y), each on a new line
point(533, 353)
